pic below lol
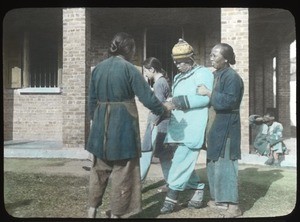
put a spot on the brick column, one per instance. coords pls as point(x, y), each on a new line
point(283, 87)
point(252, 85)
point(259, 89)
point(74, 76)
point(88, 60)
point(235, 31)
point(268, 83)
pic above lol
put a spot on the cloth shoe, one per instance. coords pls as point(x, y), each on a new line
point(276, 163)
point(215, 205)
point(232, 211)
point(92, 212)
point(195, 204)
point(196, 200)
point(269, 161)
point(168, 207)
point(114, 216)
point(170, 202)
point(110, 215)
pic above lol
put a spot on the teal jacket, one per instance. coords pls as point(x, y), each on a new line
point(188, 122)
point(115, 134)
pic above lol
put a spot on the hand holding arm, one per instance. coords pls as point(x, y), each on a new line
point(169, 105)
point(203, 90)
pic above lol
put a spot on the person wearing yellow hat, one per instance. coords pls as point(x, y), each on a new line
point(186, 128)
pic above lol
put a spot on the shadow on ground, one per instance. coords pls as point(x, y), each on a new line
point(263, 192)
point(253, 185)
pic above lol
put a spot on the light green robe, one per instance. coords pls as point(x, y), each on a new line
point(188, 126)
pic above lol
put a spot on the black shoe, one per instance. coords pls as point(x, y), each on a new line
point(87, 168)
point(276, 163)
point(195, 204)
point(167, 208)
point(269, 161)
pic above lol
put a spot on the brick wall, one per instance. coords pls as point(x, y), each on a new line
point(27, 116)
point(32, 116)
point(37, 117)
point(259, 88)
point(268, 83)
point(74, 77)
point(283, 87)
point(8, 103)
point(234, 31)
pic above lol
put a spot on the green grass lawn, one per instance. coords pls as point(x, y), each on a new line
point(264, 192)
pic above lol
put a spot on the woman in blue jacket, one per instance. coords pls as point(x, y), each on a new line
point(224, 137)
point(114, 139)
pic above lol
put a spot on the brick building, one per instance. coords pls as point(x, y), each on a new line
point(48, 54)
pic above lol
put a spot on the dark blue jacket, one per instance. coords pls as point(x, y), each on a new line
point(226, 99)
point(115, 134)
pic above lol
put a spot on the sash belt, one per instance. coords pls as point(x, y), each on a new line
point(227, 111)
point(107, 115)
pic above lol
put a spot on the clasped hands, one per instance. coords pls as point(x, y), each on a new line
point(201, 90)
point(169, 105)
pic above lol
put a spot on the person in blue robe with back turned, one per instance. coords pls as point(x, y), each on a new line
point(114, 138)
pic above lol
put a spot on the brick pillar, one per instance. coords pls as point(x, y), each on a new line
point(252, 86)
point(283, 87)
point(259, 89)
point(235, 31)
point(268, 83)
point(88, 60)
point(74, 76)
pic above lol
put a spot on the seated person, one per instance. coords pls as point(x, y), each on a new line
point(268, 141)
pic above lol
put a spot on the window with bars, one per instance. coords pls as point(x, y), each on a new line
point(41, 61)
point(32, 41)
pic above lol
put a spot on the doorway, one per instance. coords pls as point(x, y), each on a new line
point(159, 43)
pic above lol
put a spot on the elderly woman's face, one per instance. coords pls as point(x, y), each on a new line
point(216, 58)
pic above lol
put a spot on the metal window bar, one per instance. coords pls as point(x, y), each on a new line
point(43, 76)
point(40, 74)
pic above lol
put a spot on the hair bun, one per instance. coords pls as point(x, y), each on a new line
point(113, 47)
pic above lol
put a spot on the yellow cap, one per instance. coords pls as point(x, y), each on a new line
point(182, 50)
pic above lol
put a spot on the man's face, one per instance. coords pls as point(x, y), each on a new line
point(183, 66)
